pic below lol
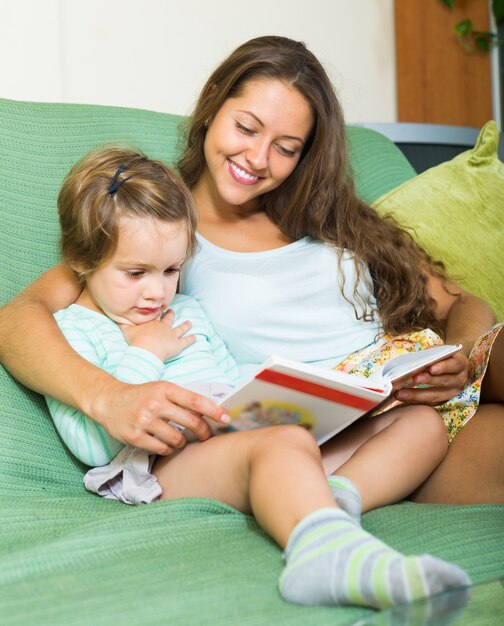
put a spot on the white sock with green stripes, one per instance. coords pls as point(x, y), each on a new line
point(331, 560)
point(346, 495)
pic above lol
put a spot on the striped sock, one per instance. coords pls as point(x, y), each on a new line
point(331, 560)
point(346, 496)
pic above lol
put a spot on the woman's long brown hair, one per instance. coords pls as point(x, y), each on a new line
point(319, 199)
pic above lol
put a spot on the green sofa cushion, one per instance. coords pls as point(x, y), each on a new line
point(68, 557)
point(378, 165)
point(456, 212)
point(73, 561)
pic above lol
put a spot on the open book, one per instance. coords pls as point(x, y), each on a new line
point(325, 402)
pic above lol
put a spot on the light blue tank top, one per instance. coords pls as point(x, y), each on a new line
point(286, 301)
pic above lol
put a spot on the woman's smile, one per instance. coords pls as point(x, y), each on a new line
point(241, 175)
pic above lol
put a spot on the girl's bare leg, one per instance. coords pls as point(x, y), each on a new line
point(388, 456)
point(274, 473)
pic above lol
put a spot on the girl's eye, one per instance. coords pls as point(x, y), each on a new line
point(244, 129)
point(172, 270)
point(134, 273)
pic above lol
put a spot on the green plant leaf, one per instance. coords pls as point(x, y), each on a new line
point(463, 28)
point(498, 9)
point(449, 3)
point(482, 43)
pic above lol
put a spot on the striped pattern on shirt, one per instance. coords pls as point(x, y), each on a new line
point(100, 341)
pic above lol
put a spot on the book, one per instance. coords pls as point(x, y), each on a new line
point(284, 391)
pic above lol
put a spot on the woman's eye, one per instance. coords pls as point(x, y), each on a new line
point(244, 129)
point(286, 151)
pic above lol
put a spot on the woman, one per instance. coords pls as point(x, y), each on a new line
point(267, 165)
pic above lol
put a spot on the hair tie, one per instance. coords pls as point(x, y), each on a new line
point(114, 185)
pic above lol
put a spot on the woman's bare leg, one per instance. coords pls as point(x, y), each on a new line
point(388, 456)
point(492, 389)
point(473, 470)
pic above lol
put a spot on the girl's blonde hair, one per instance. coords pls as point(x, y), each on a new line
point(90, 205)
point(318, 199)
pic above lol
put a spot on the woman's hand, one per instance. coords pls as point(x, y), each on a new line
point(445, 379)
point(138, 414)
point(159, 336)
point(465, 317)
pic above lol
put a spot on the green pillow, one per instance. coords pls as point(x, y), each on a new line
point(456, 212)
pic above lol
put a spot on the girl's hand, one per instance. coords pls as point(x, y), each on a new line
point(445, 379)
point(159, 336)
point(138, 414)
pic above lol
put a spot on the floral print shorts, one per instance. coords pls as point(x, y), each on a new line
point(457, 411)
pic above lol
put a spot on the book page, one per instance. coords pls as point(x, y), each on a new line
point(401, 369)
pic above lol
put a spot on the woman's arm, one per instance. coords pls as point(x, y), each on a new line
point(32, 347)
point(34, 350)
point(466, 318)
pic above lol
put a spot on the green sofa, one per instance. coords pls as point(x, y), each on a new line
point(68, 557)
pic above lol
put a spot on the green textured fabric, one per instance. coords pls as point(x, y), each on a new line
point(39, 142)
point(70, 558)
point(456, 212)
point(378, 165)
point(84, 561)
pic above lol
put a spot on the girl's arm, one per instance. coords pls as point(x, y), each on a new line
point(34, 350)
point(466, 318)
point(84, 437)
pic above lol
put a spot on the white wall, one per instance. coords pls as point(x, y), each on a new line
point(157, 54)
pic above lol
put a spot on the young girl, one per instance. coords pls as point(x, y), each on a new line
point(127, 224)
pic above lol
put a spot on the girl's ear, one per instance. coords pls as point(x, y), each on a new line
point(79, 271)
point(76, 267)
